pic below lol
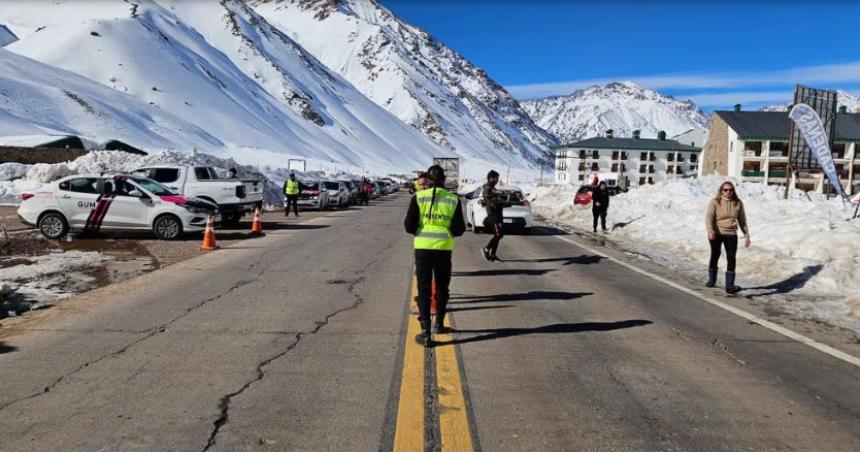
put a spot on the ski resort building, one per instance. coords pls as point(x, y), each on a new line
point(752, 146)
point(624, 162)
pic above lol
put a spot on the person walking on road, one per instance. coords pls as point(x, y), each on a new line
point(495, 219)
point(600, 205)
point(291, 190)
point(434, 217)
point(366, 191)
point(725, 214)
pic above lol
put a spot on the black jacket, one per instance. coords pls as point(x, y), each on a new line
point(600, 199)
point(493, 203)
point(413, 219)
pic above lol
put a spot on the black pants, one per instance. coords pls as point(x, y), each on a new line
point(430, 265)
point(498, 232)
point(364, 198)
point(731, 244)
point(292, 200)
point(599, 213)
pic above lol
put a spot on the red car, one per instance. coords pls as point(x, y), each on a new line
point(583, 195)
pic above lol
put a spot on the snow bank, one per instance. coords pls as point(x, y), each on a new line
point(12, 171)
point(804, 251)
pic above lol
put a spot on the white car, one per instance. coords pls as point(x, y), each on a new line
point(338, 194)
point(516, 213)
point(113, 202)
point(311, 196)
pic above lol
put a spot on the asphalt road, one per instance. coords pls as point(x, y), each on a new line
point(300, 340)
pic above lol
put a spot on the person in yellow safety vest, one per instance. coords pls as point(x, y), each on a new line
point(434, 217)
point(291, 191)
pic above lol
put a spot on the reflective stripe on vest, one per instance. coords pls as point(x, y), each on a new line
point(292, 187)
point(436, 215)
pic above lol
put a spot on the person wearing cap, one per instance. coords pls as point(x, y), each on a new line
point(434, 217)
point(291, 190)
point(494, 220)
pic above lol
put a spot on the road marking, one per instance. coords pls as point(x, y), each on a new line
point(824, 348)
point(453, 418)
point(409, 431)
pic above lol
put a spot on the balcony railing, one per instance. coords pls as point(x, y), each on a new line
point(752, 173)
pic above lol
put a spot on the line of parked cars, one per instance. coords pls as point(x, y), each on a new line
point(340, 193)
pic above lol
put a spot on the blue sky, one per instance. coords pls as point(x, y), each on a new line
point(715, 53)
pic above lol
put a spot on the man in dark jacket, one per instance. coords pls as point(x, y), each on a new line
point(435, 217)
point(600, 205)
point(495, 219)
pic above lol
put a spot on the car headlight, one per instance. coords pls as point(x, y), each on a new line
point(197, 209)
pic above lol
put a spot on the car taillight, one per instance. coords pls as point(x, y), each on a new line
point(240, 191)
point(526, 202)
point(26, 196)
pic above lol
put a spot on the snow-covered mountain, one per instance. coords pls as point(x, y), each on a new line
point(847, 99)
point(620, 106)
point(233, 83)
point(412, 75)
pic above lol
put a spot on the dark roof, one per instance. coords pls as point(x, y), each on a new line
point(645, 144)
point(774, 125)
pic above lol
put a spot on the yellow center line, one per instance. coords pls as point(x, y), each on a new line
point(409, 432)
point(453, 419)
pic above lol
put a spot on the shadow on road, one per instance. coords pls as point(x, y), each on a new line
point(478, 308)
point(547, 230)
point(625, 224)
point(297, 226)
point(504, 272)
point(525, 296)
point(585, 259)
point(790, 284)
point(563, 328)
point(6, 348)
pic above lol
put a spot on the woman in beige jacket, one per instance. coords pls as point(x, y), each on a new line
point(725, 215)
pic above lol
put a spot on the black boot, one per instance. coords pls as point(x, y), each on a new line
point(439, 325)
point(712, 277)
point(730, 283)
point(424, 338)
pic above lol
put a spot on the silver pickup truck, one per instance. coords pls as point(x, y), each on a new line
point(234, 197)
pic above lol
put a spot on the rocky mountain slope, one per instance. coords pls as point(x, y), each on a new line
point(415, 77)
point(620, 106)
point(847, 99)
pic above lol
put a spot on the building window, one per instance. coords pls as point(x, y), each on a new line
point(641, 181)
point(670, 157)
point(595, 166)
point(595, 154)
point(778, 149)
point(752, 148)
point(582, 177)
point(643, 167)
point(670, 170)
point(694, 158)
point(623, 156)
point(561, 165)
point(643, 156)
point(614, 168)
point(839, 150)
point(581, 166)
point(614, 155)
point(653, 157)
point(610, 182)
point(777, 169)
point(680, 158)
point(561, 155)
point(582, 153)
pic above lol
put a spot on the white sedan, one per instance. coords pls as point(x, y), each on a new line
point(113, 202)
point(516, 213)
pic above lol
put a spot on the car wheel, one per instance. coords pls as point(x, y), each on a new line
point(53, 225)
point(167, 227)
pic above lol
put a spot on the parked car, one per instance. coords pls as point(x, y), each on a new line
point(353, 191)
point(234, 197)
point(116, 203)
point(377, 190)
point(584, 194)
point(516, 211)
point(338, 195)
point(311, 196)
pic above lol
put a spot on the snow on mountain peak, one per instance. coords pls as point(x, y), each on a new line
point(622, 106)
point(843, 98)
point(412, 75)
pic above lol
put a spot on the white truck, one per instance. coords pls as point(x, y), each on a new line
point(234, 197)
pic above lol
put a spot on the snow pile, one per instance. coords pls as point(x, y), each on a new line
point(47, 172)
point(804, 250)
point(12, 171)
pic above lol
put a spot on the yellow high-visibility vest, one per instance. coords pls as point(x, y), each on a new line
point(291, 187)
point(434, 229)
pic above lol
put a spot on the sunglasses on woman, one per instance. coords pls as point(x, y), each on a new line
point(728, 190)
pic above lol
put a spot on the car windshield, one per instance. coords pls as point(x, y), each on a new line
point(511, 196)
point(331, 185)
point(585, 189)
point(310, 185)
point(153, 187)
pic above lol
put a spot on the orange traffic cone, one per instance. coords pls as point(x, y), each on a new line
point(257, 226)
point(209, 236)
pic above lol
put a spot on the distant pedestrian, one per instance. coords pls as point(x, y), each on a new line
point(725, 214)
point(291, 191)
point(435, 217)
point(600, 205)
point(366, 191)
point(232, 173)
point(495, 219)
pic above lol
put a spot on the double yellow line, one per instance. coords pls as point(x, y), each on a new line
point(450, 412)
